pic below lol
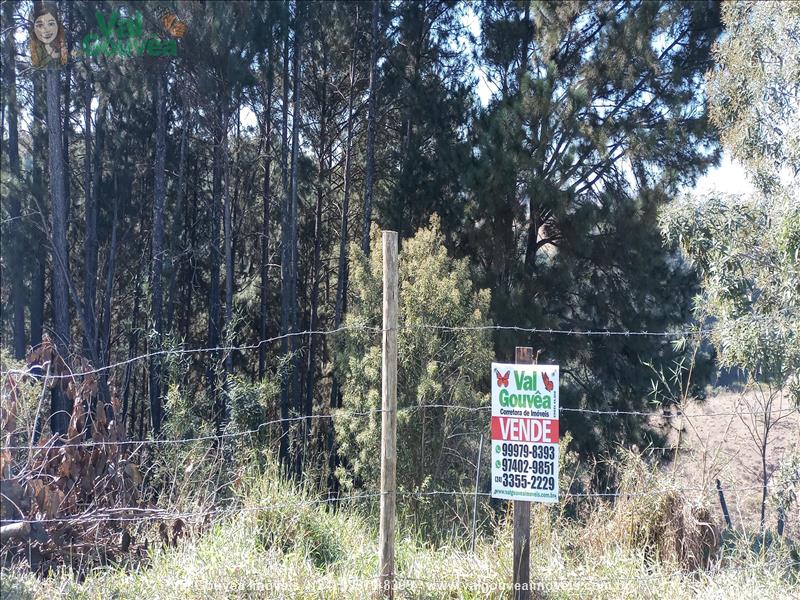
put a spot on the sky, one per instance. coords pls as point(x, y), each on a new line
point(729, 177)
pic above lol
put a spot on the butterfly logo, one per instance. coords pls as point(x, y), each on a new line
point(174, 26)
point(548, 384)
point(502, 380)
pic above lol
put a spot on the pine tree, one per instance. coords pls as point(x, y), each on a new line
point(597, 118)
point(58, 201)
point(14, 185)
point(156, 271)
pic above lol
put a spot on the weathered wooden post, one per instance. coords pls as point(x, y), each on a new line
point(523, 355)
point(388, 416)
point(475, 499)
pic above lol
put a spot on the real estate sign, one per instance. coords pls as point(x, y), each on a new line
point(525, 432)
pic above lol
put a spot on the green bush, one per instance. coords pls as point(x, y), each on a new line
point(434, 367)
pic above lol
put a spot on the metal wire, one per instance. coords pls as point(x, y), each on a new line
point(120, 514)
point(144, 514)
point(181, 351)
point(257, 345)
point(53, 442)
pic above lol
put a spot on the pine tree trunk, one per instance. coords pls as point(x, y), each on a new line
point(133, 342)
point(341, 284)
point(285, 245)
point(267, 129)
point(228, 247)
point(90, 239)
point(156, 284)
point(37, 192)
point(312, 326)
point(189, 275)
point(67, 126)
point(214, 249)
point(105, 316)
point(58, 201)
point(16, 262)
point(177, 224)
point(294, 377)
point(369, 176)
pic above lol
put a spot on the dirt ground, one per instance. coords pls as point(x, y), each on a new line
point(722, 446)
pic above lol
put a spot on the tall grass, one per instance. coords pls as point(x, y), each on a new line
point(282, 544)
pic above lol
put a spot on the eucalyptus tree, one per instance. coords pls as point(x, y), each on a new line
point(746, 247)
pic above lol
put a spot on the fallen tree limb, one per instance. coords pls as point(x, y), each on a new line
point(20, 531)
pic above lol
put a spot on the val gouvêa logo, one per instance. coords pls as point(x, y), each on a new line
point(117, 35)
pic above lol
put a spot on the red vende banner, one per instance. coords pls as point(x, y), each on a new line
point(523, 429)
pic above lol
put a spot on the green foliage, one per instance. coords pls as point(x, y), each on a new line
point(751, 282)
point(185, 474)
point(248, 402)
point(787, 482)
point(306, 530)
point(26, 400)
point(200, 471)
point(754, 89)
point(746, 248)
point(427, 91)
point(185, 415)
point(595, 119)
point(435, 366)
point(283, 545)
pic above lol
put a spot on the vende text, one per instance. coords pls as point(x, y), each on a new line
point(516, 429)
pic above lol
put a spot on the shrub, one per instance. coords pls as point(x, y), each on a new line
point(440, 367)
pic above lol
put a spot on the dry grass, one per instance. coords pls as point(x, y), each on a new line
point(721, 448)
point(671, 528)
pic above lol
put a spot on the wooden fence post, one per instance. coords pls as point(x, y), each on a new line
point(523, 355)
point(475, 499)
point(388, 416)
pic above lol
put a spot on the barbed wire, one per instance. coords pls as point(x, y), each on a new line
point(29, 371)
point(679, 415)
point(119, 514)
point(161, 514)
point(567, 332)
point(122, 514)
point(374, 329)
point(53, 442)
point(615, 413)
point(167, 442)
point(704, 489)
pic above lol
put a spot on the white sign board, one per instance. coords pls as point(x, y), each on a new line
point(525, 432)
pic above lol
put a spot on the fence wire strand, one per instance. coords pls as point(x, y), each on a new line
point(143, 515)
point(55, 443)
point(120, 514)
point(374, 329)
